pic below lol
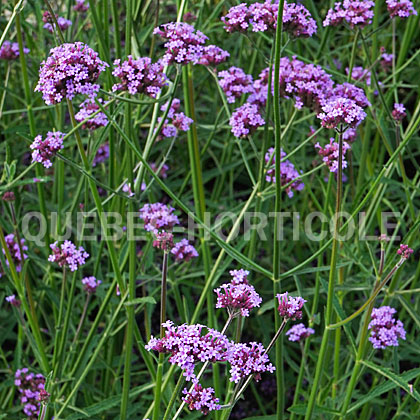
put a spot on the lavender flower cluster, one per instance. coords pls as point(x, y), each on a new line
point(288, 173)
point(235, 83)
point(385, 329)
point(63, 23)
point(245, 120)
point(183, 250)
point(158, 216)
point(87, 108)
point(213, 56)
point(101, 155)
point(290, 307)
point(179, 121)
point(139, 76)
point(68, 255)
point(29, 386)
point(299, 332)
point(81, 6)
point(353, 12)
point(16, 250)
point(330, 154)
point(10, 51)
point(45, 149)
point(401, 8)
point(201, 399)
point(398, 113)
point(70, 69)
point(90, 284)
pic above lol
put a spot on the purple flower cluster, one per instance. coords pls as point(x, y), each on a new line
point(288, 172)
point(245, 120)
point(299, 332)
point(290, 307)
point(81, 6)
point(15, 251)
point(67, 255)
point(238, 297)
point(10, 51)
point(90, 284)
point(87, 108)
point(102, 154)
point(341, 112)
point(297, 20)
point(239, 276)
point(386, 61)
point(330, 154)
point(70, 69)
point(163, 171)
point(213, 56)
point(184, 43)
point(183, 250)
point(398, 113)
point(179, 121)
point(163, 240)
point(188, 346)
point(349, 91)
point(248, 359)
point(235, 83)
point(400, 8)
point(13, 301)
point(29, 386)
point(63, 23)
point(158, 216)
point(385, 329)
point(202, 399)
point(353, 12)
point(404, 251)
point(139, 76)
point(44, 150)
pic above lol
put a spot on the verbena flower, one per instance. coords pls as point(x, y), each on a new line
point(237, 18)
point(45, 150)
point(213, 56)
point(299, 332)
point(398, 113)
point(15, 251)
point(81, 6)
point(404, 251)
point(102, 154)
point(70, 69)
point(341, 112)
point(350, 135)
point(349, 91)
point(178, 120)
point(183, 250)
point(360, 74)
point(386, 61)
point(188, 346)
point(13, 301)
point(245, 120)
point(239, 276)
point(290, 307)
point(163, 240)
point(158, 216)
point(10, 51)
point(297, 21)
point(354, 13)
point(87, 108)
point(163, 171)
point(400, 8)
point(184, 43)
point(29, 386)
point(248, 359)
point(201, 399)
point(237, 298)
point(139, 76)
point(330, 154)
point(63, 23)
point(67, 255)
point(288, 172)
point(235, 82)
point(90, 284)
point(385, 329)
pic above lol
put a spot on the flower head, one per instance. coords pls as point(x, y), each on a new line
point(67, 255)
point(248, 359)
point(349, 91)
point(188, 346)
point(10, 51)
point(245, 120)
point(91, 284)
point(139, 76)
point(213, 56)
point(290, 307)
point(297, 20)
point(237, 19)
point(400, 8)
point(158, 216)
point(235, 83)
point(63, 23)
point(163, 240)
point(398, 113)
point(70, 69)
point(81, 6)
point(288, 173)
point(385, 329)
point(299, 332)
point(202, 399)
point(15, 251)
point(341, 112)
point(13, 301)
point(184, 43)
point(44, 150)
point(353, 12)
point(29, 386)
point(179, 121)
point(330, 154)
point(87, 108)
point(405, 251)
point(183, 250)
point(239, 276)
point(102, 154)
